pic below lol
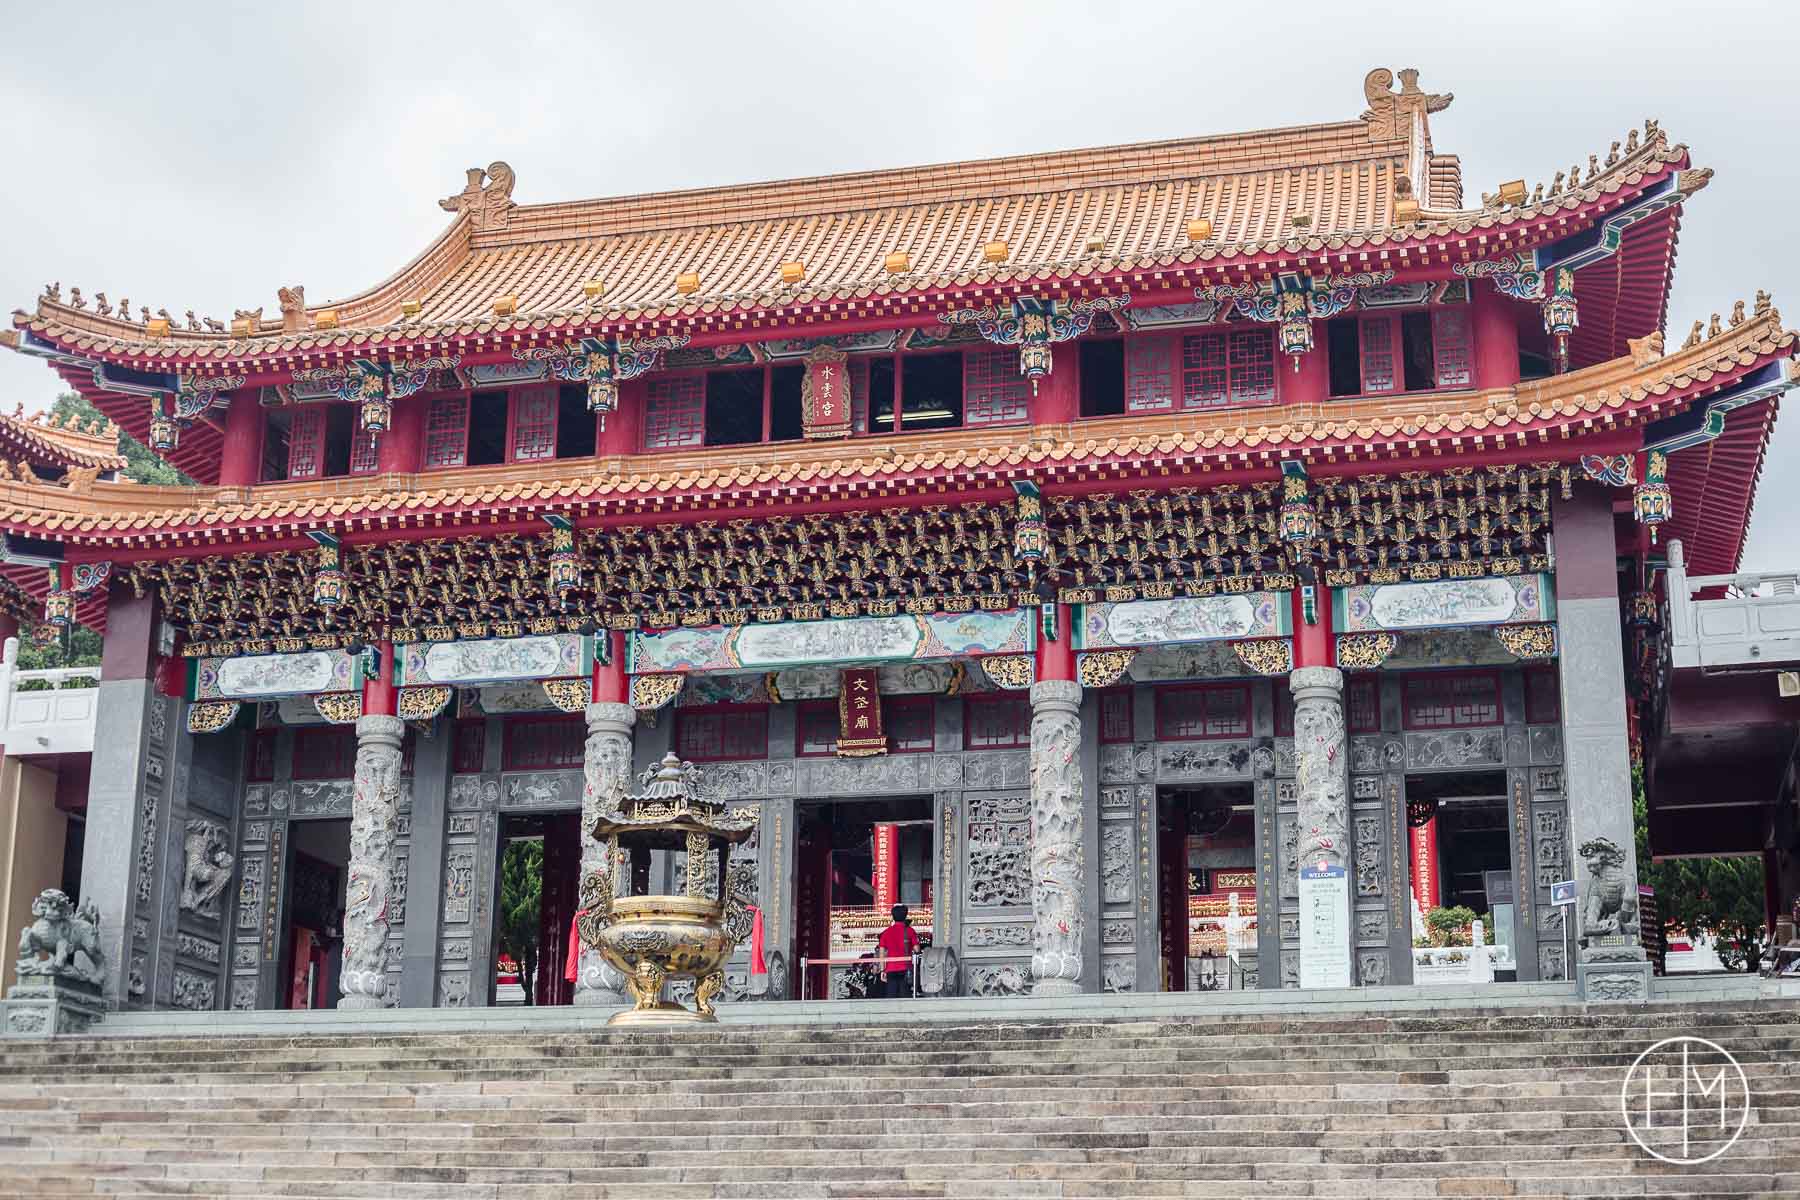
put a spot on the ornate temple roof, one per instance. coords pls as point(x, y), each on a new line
point(41, 440)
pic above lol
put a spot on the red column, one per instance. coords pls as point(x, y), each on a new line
point(1058, 397)
point(1494, 326)
point(1313, 644)
point(1056, 659)
point(379, 696)
point(610, 683)
point(624, 429)
point(1311, 383)
point(401, 449)
point(238, 465)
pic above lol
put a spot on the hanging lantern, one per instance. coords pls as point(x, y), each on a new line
point(328, 573)
point(1651, 501)
point(1029, 535)
point(1560, 314)
point(1295, 331)
point(59, 604)
point(1299, 523)
point(376, 413)
point(602, 387)
point(565, 569)
point(163, 431)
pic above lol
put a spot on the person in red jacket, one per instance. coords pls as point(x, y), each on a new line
point(896, 947)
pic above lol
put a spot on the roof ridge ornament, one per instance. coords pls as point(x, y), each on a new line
point(489, 207)
point(1389, 114)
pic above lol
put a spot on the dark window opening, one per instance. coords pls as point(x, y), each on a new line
point(1543, 698)
point(1413, 352)
point(1102, 378)
point(816, 729)
point(469, 751)
point(574, 424)
point(1205, 711)
point(910, 723)
point(340, 431)
point(1362, 704)
point(881, 395)
point(259, 757)
point(1115, 715)
point(733, 407)
point(447, 432)
point(487, 429)
point(931, 391)
point(543, 743)
point(784, 403)
point(1346, 362)
point(324, 753)
point(997, 722)
point(715, 734)
point(276, 424)
point(1416, 352)
point(1452, 701)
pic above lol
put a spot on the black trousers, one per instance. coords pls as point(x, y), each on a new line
point(891, 985)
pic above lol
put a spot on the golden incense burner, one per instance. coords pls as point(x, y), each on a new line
point(651, 938)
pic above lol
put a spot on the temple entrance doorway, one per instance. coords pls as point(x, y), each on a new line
point(1460, 868)
point(1207, 887)
point(313, 949)
point(855, 860)
point(539, 868)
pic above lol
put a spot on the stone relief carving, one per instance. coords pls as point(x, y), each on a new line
point(1124, 763)
point(453, 991)
point(1321, 784)
point(995, 769)
point(1119, 974)
point(198, 948)
point(472, 791)
point(256, 832)
point(1290, 928)
point(1368, 855)
point(540, 789)
point(1371, 927)
point(1116, 864)
point(999, 841)
point(1204, 760)
point(459, 884)
point(243, 994)
point(397, 906)
point(750, 780)
point(1372, 967)
point(199, 993)
point(249, 898)
point(1546, 744)
point(146, 855)
point(1005, 979)
point(1552, 963)
point(1457, 748)
point(1550, 846)
point(1614, 985)
point(1117, 933)
point(206, 867)
point(461, 824)
point(244, 954)
point(329, 798)
point(370, 888)
point(1057, 868)
point(978, 937)
point(256, 800)
point(1290, 855)
point(456, 951)
point(1290, 969)
point(1547, 779)
point(1115, 799)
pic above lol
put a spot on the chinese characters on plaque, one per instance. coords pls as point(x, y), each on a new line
point(825, 394)
point(859, 714)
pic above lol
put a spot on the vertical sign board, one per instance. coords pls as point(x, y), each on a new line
point(1324, 927)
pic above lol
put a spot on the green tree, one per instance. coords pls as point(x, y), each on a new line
point(1720, 897)
point(521, 896)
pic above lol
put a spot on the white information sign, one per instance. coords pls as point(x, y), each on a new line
point(1324, 927)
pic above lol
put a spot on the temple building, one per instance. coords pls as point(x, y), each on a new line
point(1189, 565)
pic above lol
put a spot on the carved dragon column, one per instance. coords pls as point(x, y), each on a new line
point(1058, 873)
point(374, 808)
point(606, 767)
point(1323, 801)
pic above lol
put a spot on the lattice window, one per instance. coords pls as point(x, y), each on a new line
point(709, 735)
point(325, 753)
point(911, 724)
point(532, 420)
point(1149, 373)
point(675, 414)
point(1452, 701)
point(1380, 361)
point(997, 722)
point(1207, 711)
point(1362, 704)
point(306, 442)
point(1543, 697)
point(364, 452)
point(1115, 715)
point(543, 743)
point(816, 729)
point(409, 746)
point(993, 390)
point(1228, 367)
point(1451, 350)
point(259, 757)
point(447, 432)
point(468, 752)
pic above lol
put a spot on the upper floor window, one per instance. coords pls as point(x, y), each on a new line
point(722, 732)
point(324, 752)
point(997, 721)
point(1115, 715)
point(907, 721)
point(259, 757)
point(543, 743)
point(1448, 700)
point(1379, 353)
point(308, 441)
point(1543, 696)
point(1202, 711)
point(468, 747)
point(1231, 367)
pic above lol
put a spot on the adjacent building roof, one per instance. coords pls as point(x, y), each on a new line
point(48, 444)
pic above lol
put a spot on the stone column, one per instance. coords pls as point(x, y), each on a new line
point(1321, 787)
point(606, 767)
point(1057, 867)
point(1596, 750)
point(374, 807)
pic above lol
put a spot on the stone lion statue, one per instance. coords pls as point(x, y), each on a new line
point(207, 869)
point(1611, 908)
point(64, 934)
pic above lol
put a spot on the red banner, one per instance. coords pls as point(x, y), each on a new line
point(1425, 883)
point(887, 866)
point(859, 714)
point(825, 394)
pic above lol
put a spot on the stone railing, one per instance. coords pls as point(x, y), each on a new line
point(1755, 624)
point(46, 712)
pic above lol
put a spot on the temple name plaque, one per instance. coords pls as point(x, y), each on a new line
point(1324, 927)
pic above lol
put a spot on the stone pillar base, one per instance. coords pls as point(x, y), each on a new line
point(47, 1007)
point(1627, 982)
point(360, 1002)
point(1056, 987)
point(597, 998)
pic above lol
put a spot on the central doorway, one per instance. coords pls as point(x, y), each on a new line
point(313, 949)
point(539, 867)
point(1460, 855)
point(1207, 887)
point(854, 860)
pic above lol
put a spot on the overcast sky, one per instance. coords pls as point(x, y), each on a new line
point(186, 160)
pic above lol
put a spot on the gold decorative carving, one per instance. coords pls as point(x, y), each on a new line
point(1528, 641)
point(570, 695)
point(1103, 668)
point(1363, 651)
point(1265, 656)
point(1014, 672)
point(210, 716)
point(340, 708)
point(423, 703)
point(651, 692)
point(697, 846)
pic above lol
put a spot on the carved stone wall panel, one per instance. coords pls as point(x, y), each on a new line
point(997, 852)
point(1545, 743)
point(1117, 933)
point(1371, 927)
point(1123, 762)
point(1550, 844)
point(751, 780)
point(459, 884)
point(322, 798)
point(994, 769)
point(1118, 973)
point(1456, 750)
point(885, 773)
point(1118, 863)
point(540, 791)
point(997, 979)
point(1184, 761)
point(195, 992)
point(1288, 821)
point(1372, 967)
point(1376, 753)
point(1371, 869)
point(998, 938)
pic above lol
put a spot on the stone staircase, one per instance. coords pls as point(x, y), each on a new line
point(1477, 1102)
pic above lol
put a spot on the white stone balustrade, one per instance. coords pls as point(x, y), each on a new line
point(1756, 624)
point(40, 713)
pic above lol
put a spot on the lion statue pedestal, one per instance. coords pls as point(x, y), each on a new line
point(60, 968)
